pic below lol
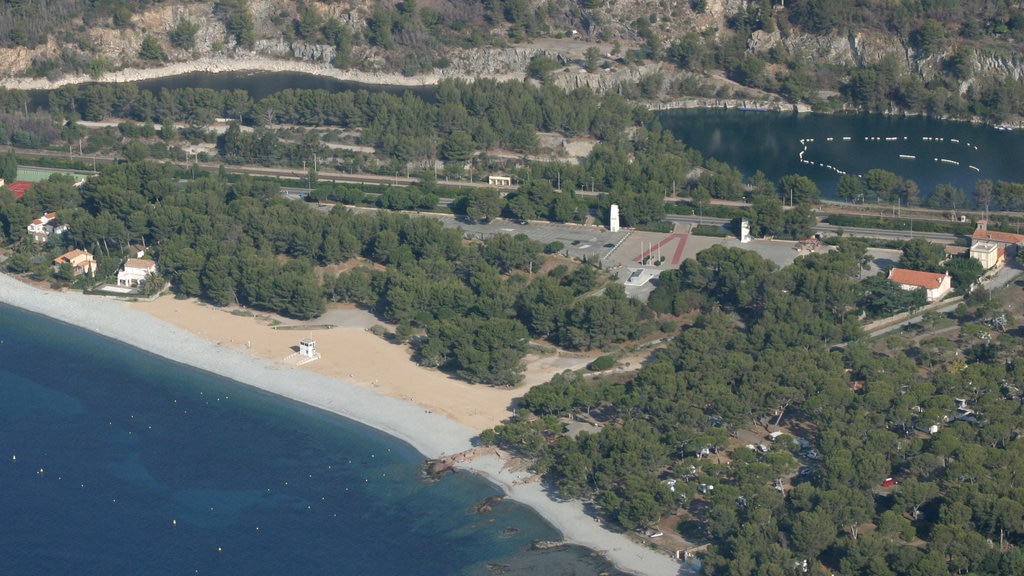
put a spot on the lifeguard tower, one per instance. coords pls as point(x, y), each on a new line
point(307, 352)
point(307, 348)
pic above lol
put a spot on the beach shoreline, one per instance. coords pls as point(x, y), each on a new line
point(398, 417)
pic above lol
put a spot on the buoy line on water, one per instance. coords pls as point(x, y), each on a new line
point(805, 141)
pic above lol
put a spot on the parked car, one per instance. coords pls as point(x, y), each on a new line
point(888, 482)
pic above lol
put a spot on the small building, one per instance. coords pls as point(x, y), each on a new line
point(956, 252)
point(500, 181)
point(41, 228)
point(307, 347)
point(307, 352)
point(135, 272)
point(990, 254)
point(936, 285)
point(81, 261)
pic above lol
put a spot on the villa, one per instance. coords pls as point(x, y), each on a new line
point(81, 261)
point(936, 285)
point(41, 228)
point(990, 254)
point(135, 272)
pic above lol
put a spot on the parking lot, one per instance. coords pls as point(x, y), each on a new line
point(580, 241)
point(640, 255)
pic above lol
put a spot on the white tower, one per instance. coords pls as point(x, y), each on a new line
point(613, 220)
point(307, 347)
point(744, 231)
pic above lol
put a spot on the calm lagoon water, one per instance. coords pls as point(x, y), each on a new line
point(114, 461)
point(771, 142)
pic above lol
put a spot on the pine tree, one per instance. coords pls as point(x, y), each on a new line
point(9, 167)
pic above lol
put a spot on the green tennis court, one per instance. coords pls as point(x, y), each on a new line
point(41, 174)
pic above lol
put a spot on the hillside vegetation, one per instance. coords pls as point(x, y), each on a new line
point(923, 56)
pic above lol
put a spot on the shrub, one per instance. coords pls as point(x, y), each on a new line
point(601, 363)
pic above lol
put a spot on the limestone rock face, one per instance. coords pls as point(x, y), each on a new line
point(490, 62)
point(573, 32)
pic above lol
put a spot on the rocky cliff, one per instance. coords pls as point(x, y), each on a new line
point(110, 49)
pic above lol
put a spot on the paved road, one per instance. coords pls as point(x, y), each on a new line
point(937, 237)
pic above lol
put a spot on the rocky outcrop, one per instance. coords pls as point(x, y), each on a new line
point(491, 61)
point(299, 50)
point(603, 80)
point(852, 50)
point(1002, 66)
point(734, 103)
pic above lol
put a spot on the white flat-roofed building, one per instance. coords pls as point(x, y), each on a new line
point(135, 272)
point(990, 254)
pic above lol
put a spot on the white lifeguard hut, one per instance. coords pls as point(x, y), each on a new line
point(613, 219)
point(307, 353)
point(744, 231)
point(307, 348)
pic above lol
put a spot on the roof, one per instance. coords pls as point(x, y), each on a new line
point(72, 254)
point(995, 235)
point(927, 280)
point(984, 246)
point(19, 187)
point(139, 263)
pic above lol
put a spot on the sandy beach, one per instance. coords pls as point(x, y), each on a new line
point(359, 376)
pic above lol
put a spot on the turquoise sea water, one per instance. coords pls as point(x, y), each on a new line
point(114, 461)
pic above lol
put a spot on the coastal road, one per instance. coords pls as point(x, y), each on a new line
point(937, 237)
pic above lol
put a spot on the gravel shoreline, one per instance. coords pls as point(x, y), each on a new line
point(395, 417)
point(215, 64)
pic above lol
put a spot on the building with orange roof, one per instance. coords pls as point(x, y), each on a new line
point(936, 285)
point(81, 261)
point(1003, 239)
point(41, 228)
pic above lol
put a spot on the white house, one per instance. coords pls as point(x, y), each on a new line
point(936, 285)
point(41, 228)
point(135, 271)
point(990, 254)
point(499, 181)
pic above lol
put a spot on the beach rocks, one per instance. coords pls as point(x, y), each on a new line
point(487, 504)
point(434, 469)
point(546, 544)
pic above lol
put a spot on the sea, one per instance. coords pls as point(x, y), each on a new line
point(116, 461)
